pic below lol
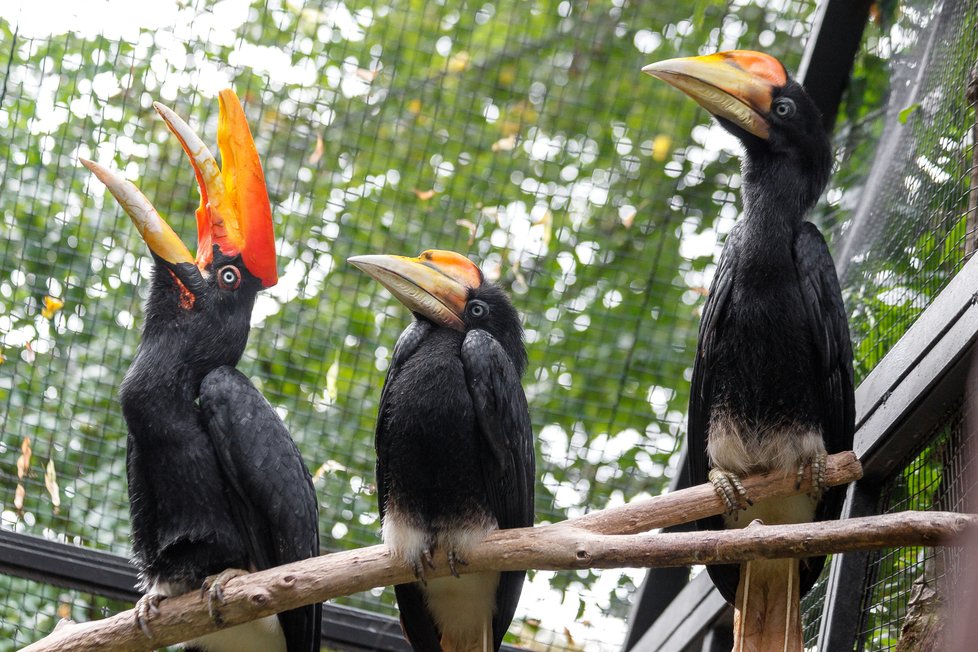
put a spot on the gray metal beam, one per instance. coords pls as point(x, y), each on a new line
point(832, 47)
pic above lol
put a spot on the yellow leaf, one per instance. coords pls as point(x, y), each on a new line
point(470, 225)
point(19, 497)
point(51, 306)
point(505, 144)
point(424, 195)
point(547, 222)
point(2, 359)
point(329, 466)
point(414, 106)
point(507, 75)
point(24, 461)
point(509, 127)
point(459, 62)
point(661, 147)
point(628, 218)
point(318, 152)
point(367, 75)
point(51, 482)
point(332, 374)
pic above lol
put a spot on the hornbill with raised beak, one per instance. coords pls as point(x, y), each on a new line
point(772, 385)
point(217, 487)
point(454, 444)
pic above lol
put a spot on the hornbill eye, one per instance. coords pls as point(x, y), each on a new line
point(228, 277)
point(784, 107)
point(478, 309)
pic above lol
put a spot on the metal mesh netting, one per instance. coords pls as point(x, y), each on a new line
point(519, 133)
point(899, 213)
point(940, 476)
point(36, 607)
point(898, 207)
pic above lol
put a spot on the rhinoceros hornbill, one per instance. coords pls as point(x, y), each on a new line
point(217, 487)
point(772, 385)
point(454, 446)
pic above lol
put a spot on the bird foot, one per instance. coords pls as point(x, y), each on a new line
point(426, 558)
point(455, 560)
point(730, 490)
point(819, 466)
point(213, 588)
point(147, 608)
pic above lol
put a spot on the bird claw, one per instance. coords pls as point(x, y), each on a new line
point(730, 489)
point(819, 466)
point(213, 589)
point(147, 608)
point(453, 559)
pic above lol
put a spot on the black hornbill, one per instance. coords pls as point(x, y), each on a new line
point(217, 487)
point(454, 445)
point(772, 385)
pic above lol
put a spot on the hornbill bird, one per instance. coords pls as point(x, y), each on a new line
point(217, 487)
point(772, 385)
point(454, 444)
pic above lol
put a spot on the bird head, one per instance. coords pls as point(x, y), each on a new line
point(752, 96)
point(235, 242)
point(450, 291)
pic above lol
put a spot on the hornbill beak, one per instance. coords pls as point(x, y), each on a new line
point(235, 214)
point(436, 284)
point(737, 85)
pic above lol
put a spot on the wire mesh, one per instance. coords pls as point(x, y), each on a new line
point(939, 476)
point(519, 133)
point(901, 208)
point(30, 607)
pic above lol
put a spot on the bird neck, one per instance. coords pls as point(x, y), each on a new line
point(778, 192)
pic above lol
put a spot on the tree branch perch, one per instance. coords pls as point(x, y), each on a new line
point(609, 538)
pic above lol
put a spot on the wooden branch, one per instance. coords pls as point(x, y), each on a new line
point(698, 502)
point(604, 539)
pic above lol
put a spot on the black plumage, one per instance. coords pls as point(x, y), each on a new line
point(216, 485)
point(772, 384)
point(455, 460)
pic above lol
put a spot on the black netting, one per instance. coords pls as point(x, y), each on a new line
point(940, 476)
point(519, 133)
point(898, 207)
point(29, 607)
point(522, 134)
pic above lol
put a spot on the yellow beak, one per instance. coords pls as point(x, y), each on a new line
point(737, 85)
point(436, 284)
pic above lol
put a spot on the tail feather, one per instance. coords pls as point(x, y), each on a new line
point(767, 610)
point(470, 642)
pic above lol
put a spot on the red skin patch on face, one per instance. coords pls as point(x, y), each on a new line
point(187, 297)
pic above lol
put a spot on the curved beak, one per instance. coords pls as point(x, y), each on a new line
point(737, 85)
point(163, 242)
point(436, 284)
point(235, 214)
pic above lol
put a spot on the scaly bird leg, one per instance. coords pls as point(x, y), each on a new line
point(730, 489)
point(455, 560)
point(147, 608)
point(213, 588)
point(818, 464)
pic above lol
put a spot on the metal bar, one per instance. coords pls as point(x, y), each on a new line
point(67, 565)
point(694, 610)
point(832, 47)
point(921, 376)
point(841, 612)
